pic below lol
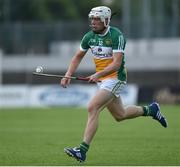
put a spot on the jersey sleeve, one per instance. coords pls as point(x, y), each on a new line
point(119, 43)
point(84, 46)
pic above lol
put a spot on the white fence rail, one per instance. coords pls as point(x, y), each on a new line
point(142, 54)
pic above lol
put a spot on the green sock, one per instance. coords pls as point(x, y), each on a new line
point(84, 147)
point(147, 111)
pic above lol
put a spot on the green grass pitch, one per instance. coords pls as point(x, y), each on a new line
point(36, 136)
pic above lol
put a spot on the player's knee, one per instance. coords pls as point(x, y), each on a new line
point(120, 117)
point(91, 108)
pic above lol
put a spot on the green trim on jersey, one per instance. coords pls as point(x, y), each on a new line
point(122, 72)
point(103, 46)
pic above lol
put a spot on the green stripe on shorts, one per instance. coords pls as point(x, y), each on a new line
point(117, 86)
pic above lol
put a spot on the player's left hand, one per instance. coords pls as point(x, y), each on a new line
point(94, 78)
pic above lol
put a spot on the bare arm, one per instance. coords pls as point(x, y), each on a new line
point(72, 67)
point(114, 66)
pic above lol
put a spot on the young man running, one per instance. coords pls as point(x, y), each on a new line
point(107, 44)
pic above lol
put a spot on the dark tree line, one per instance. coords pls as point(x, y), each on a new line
point(55, 10)
point(45, 10)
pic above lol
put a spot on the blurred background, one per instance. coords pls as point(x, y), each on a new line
point(48, 33)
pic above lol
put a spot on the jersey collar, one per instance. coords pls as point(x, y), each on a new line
point(101, 35)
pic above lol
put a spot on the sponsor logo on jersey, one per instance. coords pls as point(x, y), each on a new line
point(101, 52)
point(99, 49)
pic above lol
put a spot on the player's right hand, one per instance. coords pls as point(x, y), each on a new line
point(65, 82)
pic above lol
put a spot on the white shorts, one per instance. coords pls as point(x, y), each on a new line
point(112, 85)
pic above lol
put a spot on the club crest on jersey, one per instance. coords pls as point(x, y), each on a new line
point(108, 42)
